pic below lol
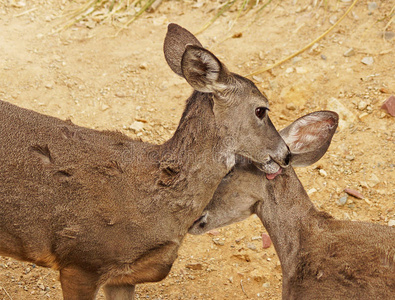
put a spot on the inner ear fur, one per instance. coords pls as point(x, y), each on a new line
point(309, 137)
point(203, 70)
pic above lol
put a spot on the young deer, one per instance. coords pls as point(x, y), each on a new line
point(321, 257)
point(104, 209)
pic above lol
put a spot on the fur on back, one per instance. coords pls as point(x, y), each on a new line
point(336, 259)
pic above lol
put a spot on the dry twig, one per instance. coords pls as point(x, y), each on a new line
point(259, 71)
point(242, 288)
point(5, 291)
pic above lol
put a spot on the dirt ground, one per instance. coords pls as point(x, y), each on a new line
point(100, 81)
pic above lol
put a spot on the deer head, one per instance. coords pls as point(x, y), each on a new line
point(240, 109)
point(244, 188)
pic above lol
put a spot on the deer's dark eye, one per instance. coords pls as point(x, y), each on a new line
point(260, 112)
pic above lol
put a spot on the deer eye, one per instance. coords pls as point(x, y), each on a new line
point(260, 112)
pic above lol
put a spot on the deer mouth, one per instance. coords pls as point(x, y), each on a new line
point(274, 175)
point(271, 169)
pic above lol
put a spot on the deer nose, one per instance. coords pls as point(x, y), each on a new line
point(283, 161)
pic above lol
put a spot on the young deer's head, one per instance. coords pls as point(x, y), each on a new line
point(239, 108)
point(245, 187)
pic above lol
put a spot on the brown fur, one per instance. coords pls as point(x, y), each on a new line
point(105, 209)
point(321, 257)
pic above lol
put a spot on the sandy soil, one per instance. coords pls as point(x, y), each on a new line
point(105, 82)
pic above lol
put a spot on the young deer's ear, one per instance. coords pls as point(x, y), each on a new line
point(309, 137)
point(177, 38)
point(203, 70)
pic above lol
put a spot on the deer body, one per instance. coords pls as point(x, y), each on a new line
point(104, 209)
point(325, 258)
point(321, 257)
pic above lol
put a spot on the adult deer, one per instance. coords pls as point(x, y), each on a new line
point(321, 257)
point(104, 209)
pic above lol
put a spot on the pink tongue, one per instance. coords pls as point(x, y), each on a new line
point(272, 176)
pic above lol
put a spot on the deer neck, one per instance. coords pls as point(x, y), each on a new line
point(284, 210)
point(195, 159)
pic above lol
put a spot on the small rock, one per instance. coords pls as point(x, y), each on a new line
point(291, 106)
point(384, 90)
point(243, 257)
point(367, 60)
point(363, 115)
point(239, 239)
point(349, 52)
point(372, 6)
point(364, 184)
point(237, 35)
point(346, 116)
point(266, 241)
point(251, 246)
point(373, 180)
point(389, 105)
point(195, 266)
point(323, 173)
point(391, 223)
point(143, 66)
point(137, 126)
point(362, 105)
point(354, 193)
point(257, 276)
point(350, 157)
point(343, 200)
point(218, 242)
point(141, 120)
point(104, 107)
point(296, 59)
point(266, 285)
point(333, 19)
point(256, 238)
point(120, 94)
point(311, 191)
point(301, 70)
point(289, 70)
point(323, 57)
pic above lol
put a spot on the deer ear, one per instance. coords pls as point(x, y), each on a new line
point(203, 70)
point(309, 137)
point(176, 40)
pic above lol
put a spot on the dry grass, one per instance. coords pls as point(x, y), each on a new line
point(122, 13)
point(296, 53)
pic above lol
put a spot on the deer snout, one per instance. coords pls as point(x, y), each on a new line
point(273, 167)
point(283, 159)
